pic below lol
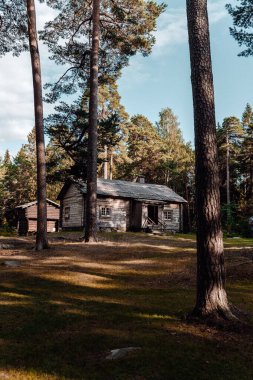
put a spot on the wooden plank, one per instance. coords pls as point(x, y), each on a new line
point(73, 217)
point(119, 218)
point(52, 212)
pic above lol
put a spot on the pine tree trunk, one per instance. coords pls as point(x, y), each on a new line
point(111, 166)
point(41, 237)
point(188, 211)
point(91, 199)
point(211, 294)
point(228, 184)
point(106, 163)
point(251, 175)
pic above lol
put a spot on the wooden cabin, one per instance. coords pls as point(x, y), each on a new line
point(27, 217)
point(123, 206)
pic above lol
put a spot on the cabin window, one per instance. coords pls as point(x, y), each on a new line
point(168, 215)
point(66, 213)
point(105, 212)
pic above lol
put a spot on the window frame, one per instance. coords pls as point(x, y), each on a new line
point(107, 214)
point(165, 217)
point(66, 212)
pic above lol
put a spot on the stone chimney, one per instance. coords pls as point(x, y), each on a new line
point(140, 179)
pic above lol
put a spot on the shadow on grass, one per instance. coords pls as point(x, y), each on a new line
point(52, 328)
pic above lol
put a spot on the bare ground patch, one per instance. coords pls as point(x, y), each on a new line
point(63, 309)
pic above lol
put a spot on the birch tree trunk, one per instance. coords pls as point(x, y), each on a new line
point(212, 299)
point(91, 199)
point(41, 237)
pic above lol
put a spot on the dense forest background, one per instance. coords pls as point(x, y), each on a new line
point(129, 147)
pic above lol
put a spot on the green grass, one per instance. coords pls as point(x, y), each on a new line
point(63, 310)
point(7, 232)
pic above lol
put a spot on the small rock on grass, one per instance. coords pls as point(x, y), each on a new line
point(11, 263)
point(121, 352)
point(6, 246)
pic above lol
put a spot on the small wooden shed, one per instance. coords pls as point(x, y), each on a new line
point(27, 217)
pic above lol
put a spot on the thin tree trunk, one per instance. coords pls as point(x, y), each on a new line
point(106, 163)
point(188, 211)
point(91, 199)
point(41, 237)
point(111, 166)
point(251, 176)
point(211, 294)
point(228, 185)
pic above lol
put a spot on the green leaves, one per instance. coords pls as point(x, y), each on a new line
point(126, 28)
point(243, 23)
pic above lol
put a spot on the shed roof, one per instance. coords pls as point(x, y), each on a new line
point(35, 202)
point(133, 190)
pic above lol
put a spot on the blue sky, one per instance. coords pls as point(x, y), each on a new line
point(148, 84)
point(163, 79)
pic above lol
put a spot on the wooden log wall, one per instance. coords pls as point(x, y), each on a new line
point(53, 212)
point(125, 214)
point(52, 225)
point(173, 225)
point(74, 202)
point(120, 211)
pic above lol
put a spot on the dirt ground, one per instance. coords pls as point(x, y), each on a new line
point(62, 310)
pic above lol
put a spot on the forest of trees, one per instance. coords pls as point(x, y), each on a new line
point(128, 143)
point(93, 41)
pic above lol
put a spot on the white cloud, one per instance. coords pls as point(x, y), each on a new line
point(16, 91)
point(134, 74)
point(171, 29)
point(172, 25)
point(217, 11)
point(16, 112)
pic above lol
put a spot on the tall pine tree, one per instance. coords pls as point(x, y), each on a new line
point(212, 299)
point(18, 33)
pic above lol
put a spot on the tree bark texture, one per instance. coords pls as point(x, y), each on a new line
point(91, 199)
point(228, 184)
point(211, 294)
point(41, 237)
point(111, 166)
point(106, 163)
point(187, 208)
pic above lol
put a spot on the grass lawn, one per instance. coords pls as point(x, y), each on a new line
point(63, 310)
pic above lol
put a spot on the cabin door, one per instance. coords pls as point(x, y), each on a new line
point(153, 213)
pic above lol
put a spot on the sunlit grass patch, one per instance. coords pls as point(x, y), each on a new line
point(239, 242)
point(65, 309)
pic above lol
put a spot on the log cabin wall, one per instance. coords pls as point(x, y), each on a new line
point(27, 218)
point(119, 209)
point(72, 209)
point(53, 215)
point(73, 206)
point(53, 212)
point(145, 211)
point(118, 214)
point(169, 210)
point(172, 224)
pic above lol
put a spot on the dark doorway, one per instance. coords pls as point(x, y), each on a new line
point(153, 213)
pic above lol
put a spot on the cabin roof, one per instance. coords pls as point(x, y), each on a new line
point(133, 190)
point(26, 205)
